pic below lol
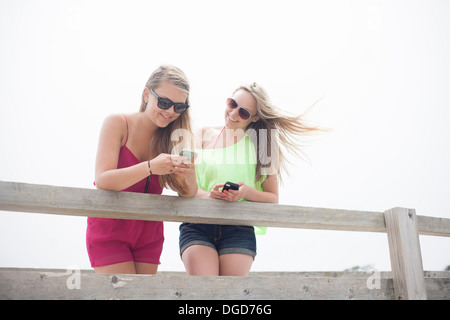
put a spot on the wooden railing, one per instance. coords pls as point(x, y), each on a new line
point(406, 281)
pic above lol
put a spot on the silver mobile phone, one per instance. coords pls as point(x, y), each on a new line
point(189, 154)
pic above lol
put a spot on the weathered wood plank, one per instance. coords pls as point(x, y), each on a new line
point(433, 226)
point(320, 274)
point(28, 283)
point(24, 197)
point(406, 258)
point(35, 198)
point(51, 285)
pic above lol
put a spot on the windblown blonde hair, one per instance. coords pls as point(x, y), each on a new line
point(162, 141)
point(287, 128)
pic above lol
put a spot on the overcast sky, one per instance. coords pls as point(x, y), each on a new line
point(382, 68)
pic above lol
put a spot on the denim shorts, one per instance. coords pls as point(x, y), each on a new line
point(225, 239)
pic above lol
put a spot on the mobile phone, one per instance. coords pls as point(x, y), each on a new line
point(230, 185)
point(189, 154)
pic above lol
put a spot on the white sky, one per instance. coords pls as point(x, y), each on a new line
point(383, 67)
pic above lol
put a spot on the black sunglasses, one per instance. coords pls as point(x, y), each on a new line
point(243, 113)
point(164, 103)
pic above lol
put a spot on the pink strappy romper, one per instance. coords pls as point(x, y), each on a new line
point(111, 241)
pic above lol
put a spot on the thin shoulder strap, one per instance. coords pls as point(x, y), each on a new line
point(217, 139)
point(126, 121)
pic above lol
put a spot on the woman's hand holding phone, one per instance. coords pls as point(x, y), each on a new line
point(232, 194)
point(185, 164)
point(167, 164)
point(216, 192)
point(224, 192)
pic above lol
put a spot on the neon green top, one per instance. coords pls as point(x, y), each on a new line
point(234, 163)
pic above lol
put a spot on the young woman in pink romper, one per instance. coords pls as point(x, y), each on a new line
point(134, 156)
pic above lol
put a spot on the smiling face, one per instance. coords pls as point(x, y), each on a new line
point(245, 100)
point(158, 116)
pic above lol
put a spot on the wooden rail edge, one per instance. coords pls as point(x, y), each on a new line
point(34, 198)
point(65, 284)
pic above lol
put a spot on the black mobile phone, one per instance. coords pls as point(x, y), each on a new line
point(189, 154)
point(230, 185)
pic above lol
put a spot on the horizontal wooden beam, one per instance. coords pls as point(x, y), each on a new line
point(34, 198)
point(433, 226)
point(87, 286)
point(16, 283)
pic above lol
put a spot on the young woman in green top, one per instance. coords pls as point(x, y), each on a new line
point(246, 151)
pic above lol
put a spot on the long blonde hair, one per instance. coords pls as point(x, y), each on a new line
point(282, 132)
point(162, 141)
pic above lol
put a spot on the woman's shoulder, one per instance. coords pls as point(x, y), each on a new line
point(207, 135)
point(115, 119)
point(122, 119)
point(210, 129)
point(116, 125)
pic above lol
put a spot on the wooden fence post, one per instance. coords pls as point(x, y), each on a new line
point(404, 250)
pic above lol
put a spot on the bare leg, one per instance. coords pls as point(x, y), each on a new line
point(145, 268)
point(235, 264)
point(123, 267)
point(201, 261)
